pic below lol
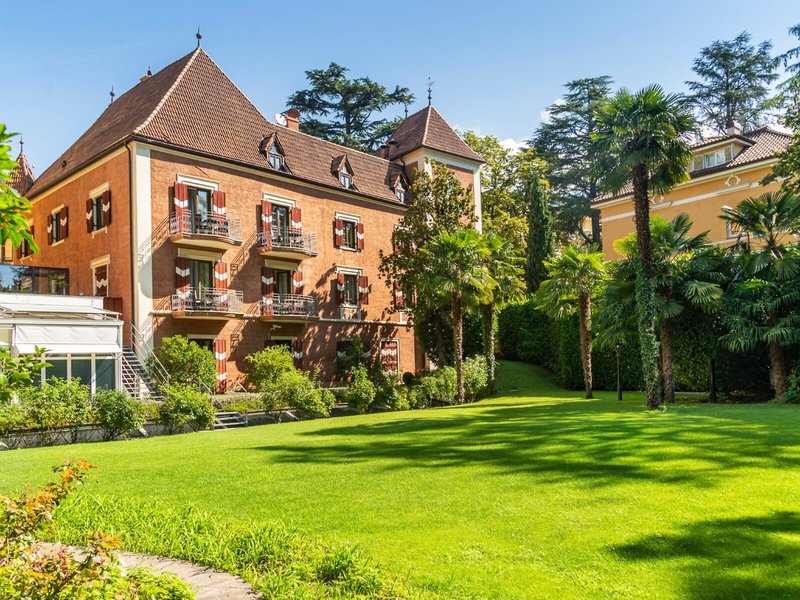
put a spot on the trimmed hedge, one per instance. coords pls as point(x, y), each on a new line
point(526, 333)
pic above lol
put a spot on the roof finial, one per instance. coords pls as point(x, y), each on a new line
point(112, 94)
point(199, 36)
point(21, 146)
point(405, 105)
point(430, 90)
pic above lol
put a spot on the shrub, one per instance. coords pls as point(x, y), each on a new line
point(294, 389)
point(393, 397)
point(186, 362)
point(267, 365)
point(56, 405)
point(355, 353)
point(13, 422)
point(117, 413)
point(360, 394)
point(17, 373)
point(476, 377)
point(186, 405)
point(435, 388)
point(33, 570)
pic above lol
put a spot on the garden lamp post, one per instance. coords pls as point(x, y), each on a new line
point(619, 375)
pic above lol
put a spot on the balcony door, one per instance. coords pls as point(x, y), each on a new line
point(283, 282)
point(201, 275)
point(200, 210)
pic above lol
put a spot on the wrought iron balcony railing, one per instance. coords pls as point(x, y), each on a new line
point(217, 300)
point(212, 226)
point(289, 239)
point(288, 305)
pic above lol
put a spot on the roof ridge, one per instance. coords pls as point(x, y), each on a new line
point(195, 53)
point(427, 124)
point(345, 149)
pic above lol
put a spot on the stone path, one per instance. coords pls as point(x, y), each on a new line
point(207, 582)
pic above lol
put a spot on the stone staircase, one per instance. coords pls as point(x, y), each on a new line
point(136, 379)
point(229, 420)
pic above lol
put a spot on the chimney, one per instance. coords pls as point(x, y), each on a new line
point(733, 128)
point(383, 151)
point(147, 76)
point(293, 119)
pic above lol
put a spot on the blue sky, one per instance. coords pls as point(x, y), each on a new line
point(497, 64)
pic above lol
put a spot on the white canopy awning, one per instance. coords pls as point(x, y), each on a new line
point(95, 337)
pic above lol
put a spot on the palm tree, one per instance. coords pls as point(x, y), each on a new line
point(504, 265)
point(573, 280)
point(686, 271)
point(764, 296)
point(644, 134)
point(458, 272)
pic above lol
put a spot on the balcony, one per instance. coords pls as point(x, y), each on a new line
point(207, 303)
point(288, 307)
point(287, 242)
point(205, 231)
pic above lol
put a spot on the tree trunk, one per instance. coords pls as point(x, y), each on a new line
point(488, 345)
point(585, 326)
point(458, 347)
point(441, 352)
point(777, 365)
point(645, 291)
point(667, 361)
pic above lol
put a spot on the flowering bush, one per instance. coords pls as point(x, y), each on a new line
point(31, 569)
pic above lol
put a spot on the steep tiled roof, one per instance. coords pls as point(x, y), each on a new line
point(427, 129)
point(765, 143)
point(192, 104)
point(22, 175)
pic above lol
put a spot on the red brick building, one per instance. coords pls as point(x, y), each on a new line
point(195, 215)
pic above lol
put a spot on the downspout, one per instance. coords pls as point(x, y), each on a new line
point(133, 253)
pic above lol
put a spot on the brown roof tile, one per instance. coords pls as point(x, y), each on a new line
point(22, 175)
point(427, 129)
point(192, 104)
point(765, 144)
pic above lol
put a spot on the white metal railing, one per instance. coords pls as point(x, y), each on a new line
point(288, 305)
point(210, 225)
point(208, 300)
point(289, 238)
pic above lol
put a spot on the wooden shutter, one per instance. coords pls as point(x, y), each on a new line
point(89, 215)
point(340, 288)
point(390, 356)
point(64, 223)
point(297, 353)
point(218, 204)
point(101, 281)
point(221, 355)
point(221, 275)
point(363, 290)
point(106, 208)
point(180, 202)
point(266, 223)
point(360, 236)
point(50, 229)
point(338, 233)
point(296, 218)
point(267, 285)
point(297, 282)
point(340, 348)
point(182, 279)
point(398, 294)
point(25, 246)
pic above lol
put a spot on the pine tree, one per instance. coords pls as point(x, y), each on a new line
point(735, 76)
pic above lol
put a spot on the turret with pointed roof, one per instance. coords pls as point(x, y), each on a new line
point(22, 177)
point(428, 129)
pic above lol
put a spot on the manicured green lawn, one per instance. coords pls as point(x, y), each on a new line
point(534, 494)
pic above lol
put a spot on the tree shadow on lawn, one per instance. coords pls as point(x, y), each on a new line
point(593, 443)
point(750, 557)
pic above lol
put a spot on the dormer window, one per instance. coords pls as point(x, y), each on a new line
point(345, 178)
point(275, 158)
point(400, 192)
point(713, 159)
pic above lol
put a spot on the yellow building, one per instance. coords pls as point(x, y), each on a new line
point(726, 170)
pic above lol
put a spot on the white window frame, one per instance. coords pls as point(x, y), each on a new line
point(198, 182)
point(357, 273)
point(353, 219)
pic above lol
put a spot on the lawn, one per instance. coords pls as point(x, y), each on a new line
point(536, 493)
